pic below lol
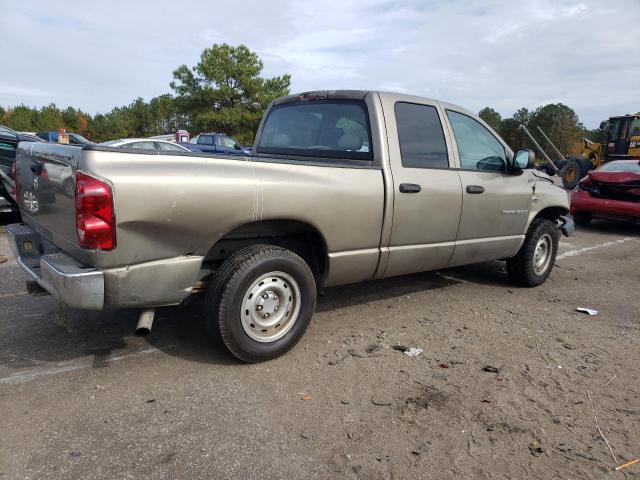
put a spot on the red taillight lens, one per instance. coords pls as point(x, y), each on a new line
point(95, 220)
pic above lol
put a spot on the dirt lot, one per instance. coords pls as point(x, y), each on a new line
point(81, 397)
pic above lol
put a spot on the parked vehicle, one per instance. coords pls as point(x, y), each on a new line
point(344, 186)
point(9, 140)
point(216, 143)
point(611, 191)
point(74, 138)
point(146, 144)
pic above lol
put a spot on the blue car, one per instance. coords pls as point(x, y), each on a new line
point(217, 143)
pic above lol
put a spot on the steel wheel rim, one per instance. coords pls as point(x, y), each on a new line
point(30, 201)
point(542, 254)
point(270, 307)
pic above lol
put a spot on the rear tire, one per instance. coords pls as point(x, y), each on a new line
point(261, 302)
point(534, 261)
point(583, 218)
point(572, 173)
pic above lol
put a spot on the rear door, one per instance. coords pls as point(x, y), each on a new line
point(426, 187)
point(495, 205)
point(8, 145)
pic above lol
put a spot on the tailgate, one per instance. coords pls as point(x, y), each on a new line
point(46, 189)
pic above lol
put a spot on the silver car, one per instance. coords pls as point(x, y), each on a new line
point(145, 144)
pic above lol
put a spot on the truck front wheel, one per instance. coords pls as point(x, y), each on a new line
point(261, 302)
point(534, 261)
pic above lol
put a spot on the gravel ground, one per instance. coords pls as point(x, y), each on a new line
point(500, 391)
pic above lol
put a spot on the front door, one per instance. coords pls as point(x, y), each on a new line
point(495, 203)
point(426, 188)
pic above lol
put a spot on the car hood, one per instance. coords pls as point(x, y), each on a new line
point(617, 178)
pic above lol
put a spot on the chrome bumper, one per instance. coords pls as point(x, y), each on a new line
point(150, 284)
point(58, 273)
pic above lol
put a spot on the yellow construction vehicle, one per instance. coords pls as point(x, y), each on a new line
point(623, 142)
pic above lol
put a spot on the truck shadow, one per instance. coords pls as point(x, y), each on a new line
point(490, 273)
point(608, 227)
point(40, 335)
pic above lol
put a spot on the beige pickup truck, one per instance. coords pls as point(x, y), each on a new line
point(342, 186)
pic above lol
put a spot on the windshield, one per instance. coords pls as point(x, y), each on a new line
point(332, 129)
point(79, 138)
point(631, 167)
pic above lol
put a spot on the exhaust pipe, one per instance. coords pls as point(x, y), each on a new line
point(145, 322)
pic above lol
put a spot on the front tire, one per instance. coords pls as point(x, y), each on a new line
point(261, 302)
point(534, 261)
point(583, 218)
point(572, 173)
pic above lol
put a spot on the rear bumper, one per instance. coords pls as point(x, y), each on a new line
point(59, 274)
point(150, 284)
point(583, 201)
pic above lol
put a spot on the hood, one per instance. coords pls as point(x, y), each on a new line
point(617, 178)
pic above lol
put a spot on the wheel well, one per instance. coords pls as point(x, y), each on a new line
point(551, 213)
point(299, 237)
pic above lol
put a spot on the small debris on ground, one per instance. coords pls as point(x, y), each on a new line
point(628, 464)
point(306, 397)
point(490, 369)
point(374, 347)
point(413, 352)
point(3, 259)
point(444, 365)
point(400, 348)
point(588, 311)
point(306, 435)
point(151, 400)
point(382, 401)
point(345, 402)
point(536, 449)
point(420, 449)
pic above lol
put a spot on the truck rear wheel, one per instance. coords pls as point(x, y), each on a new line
point(534, 261)
point(261, 302)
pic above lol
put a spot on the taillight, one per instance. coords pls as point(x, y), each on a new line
point(95, 220)
point(14, 177)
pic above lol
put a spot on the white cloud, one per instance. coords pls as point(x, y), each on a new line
point(474, 53)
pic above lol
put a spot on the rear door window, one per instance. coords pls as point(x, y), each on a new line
point(141, 145)
point(320, 128)
point(170, 147)
point(477, 147)
point(421, 137)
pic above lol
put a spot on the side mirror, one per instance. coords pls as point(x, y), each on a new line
point(523, 159)
point(237, 146)
point(604, 125)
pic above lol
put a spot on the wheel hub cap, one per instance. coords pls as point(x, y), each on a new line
point(270, 307)
point(542, 254)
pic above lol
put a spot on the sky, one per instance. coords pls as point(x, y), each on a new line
point(504, 54)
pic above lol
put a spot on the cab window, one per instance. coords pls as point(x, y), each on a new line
point(478, 149)
point(226, 142)
point(421, 138)
point(141, 145)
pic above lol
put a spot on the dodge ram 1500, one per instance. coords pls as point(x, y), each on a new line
point(342, 186)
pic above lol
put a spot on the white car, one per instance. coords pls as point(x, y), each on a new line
point(145, 144)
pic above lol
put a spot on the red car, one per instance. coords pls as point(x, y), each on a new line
point(610, 191)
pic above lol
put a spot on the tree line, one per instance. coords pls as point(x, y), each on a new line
point(559, 122)
point(225, 92)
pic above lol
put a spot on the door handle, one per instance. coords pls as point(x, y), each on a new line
point(475, 189)
point(410, 188)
